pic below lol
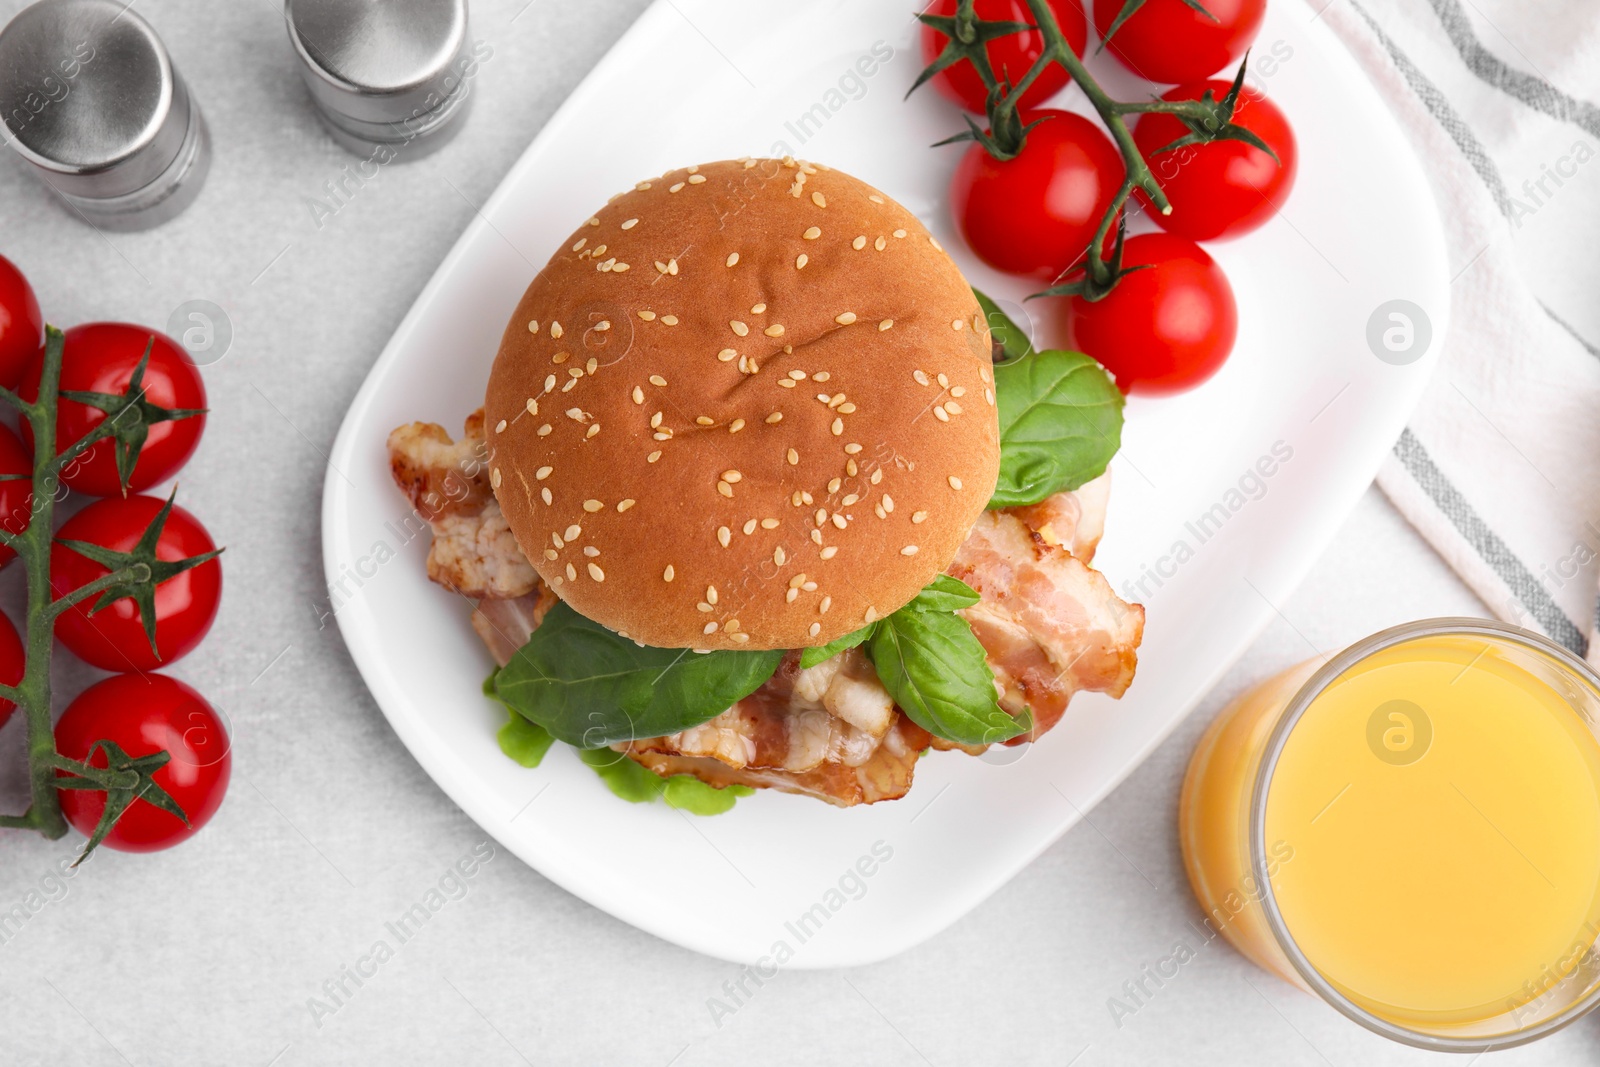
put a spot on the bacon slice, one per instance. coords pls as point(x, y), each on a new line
point(1051, 627)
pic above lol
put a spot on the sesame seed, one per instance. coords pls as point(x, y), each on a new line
point(704, 420)
point(827, 602)
point(877, 509)
point(724, 535)
point(544, 431)
point(696, 179)
point(833, 484)
point(673, 189)
point(880, 244)
point(955, 483)
point(801, 261)
point(769, 524)
point(871, 615)
point(845, 319)
point(543, 472)
point(574, 532)
point(778, 556)
point(940, 413)
point(812, 233)
point(837, 427)
point(733, 258)
point(500, 427)
point(899, 233)
point(850, 499)
point(758, 309)
point(741, 638)
point(549, 382)
point(593, 221)
point(533, 324)
point(958, 324)
point(731, 476)
point(662, 435)
point(877, 476)
point(850, 467)
point(598, 250)
point(590, 551)
point(658, 381)
point(952, 407)
point(672, 269)
point(853, 448)
point(886, 324)
point(934, 241)
point(821, 516)
point(736, 425)
point(815, 629)
point(630, 224)
point(822, 397)
point(556, 581)
point(794, 457)
point(922, 379)
point(797, 581)
point(560, 357)
point(570, 383)
point(739, 328)
point(638, 395)
point(726, 354)
point(944, 382)
point(847, 408)
point(821, 376)
point(888, 502)
point(710, 628)
point(661, 268)
point(592, 364)
point(551, 553)
point(592, 505)
point(596, 573)
point(575, 372)
point(702, 606)
point(669, 320)
point(556, 331)
point(575, 414)
point(859, 243)
point(572, 573)
point(830, 551)
point(775, 330)
point(618, 268)
point(494, 477)
point(624, 505)
point(959, 390)
point(652, 457)
point(668, 574)
point(789, 595)
point(750, 527)
point(875, 198)
point(909, 550)
point(725, 489)
point(816, 535)
point(711, 593)
point(787, 383)
point(647, 315)
point(840, 521)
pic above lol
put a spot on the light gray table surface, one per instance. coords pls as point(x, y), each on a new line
point(210, 953)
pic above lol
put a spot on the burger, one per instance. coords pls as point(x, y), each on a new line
point(756, 499)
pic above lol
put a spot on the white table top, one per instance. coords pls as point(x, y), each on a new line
point(211, 953)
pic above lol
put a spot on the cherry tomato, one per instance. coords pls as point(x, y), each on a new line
point(101, 357)
point(1162, 329)
point(21, 324)
point(1036, 214)
point(186, 604)
point(142, 715)
point(1170, 42)
point(1220, 189)
point(16, 497)
point(13, 660)
point(1010, 56)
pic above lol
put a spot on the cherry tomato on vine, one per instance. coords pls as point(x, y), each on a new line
point(1220, 189)
point(13, 660)
point(1036, 214)
point(142, 715)
point(101, 357)
point(185, 604)
point(16, 495)
point(1010, 56)
point(1170, 42)
point(1162, 329)
point(21, 324)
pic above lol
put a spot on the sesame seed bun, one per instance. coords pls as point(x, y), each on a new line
point(746, 405)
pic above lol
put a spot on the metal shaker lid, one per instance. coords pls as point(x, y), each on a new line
point(88, 95)
point(373, 65)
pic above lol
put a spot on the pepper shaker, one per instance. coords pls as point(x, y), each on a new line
point(390, 80)
point(90, 98)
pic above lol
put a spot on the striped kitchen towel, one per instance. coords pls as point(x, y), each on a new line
point(1500, 466)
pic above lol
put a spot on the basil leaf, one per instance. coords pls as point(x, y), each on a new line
point(937, 673)
point(591, 688)
point(944, 593)
point(1011, 338)
point(1060, 424)
point(810, 657)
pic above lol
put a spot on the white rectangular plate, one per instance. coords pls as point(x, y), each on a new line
point(1196, 534)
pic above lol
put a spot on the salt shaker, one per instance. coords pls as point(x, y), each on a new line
point(390, 80)
point(90, 98)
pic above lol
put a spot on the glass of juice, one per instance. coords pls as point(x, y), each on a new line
point(1410, 830)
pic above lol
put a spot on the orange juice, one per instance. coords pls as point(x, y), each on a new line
point(1412, 831)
